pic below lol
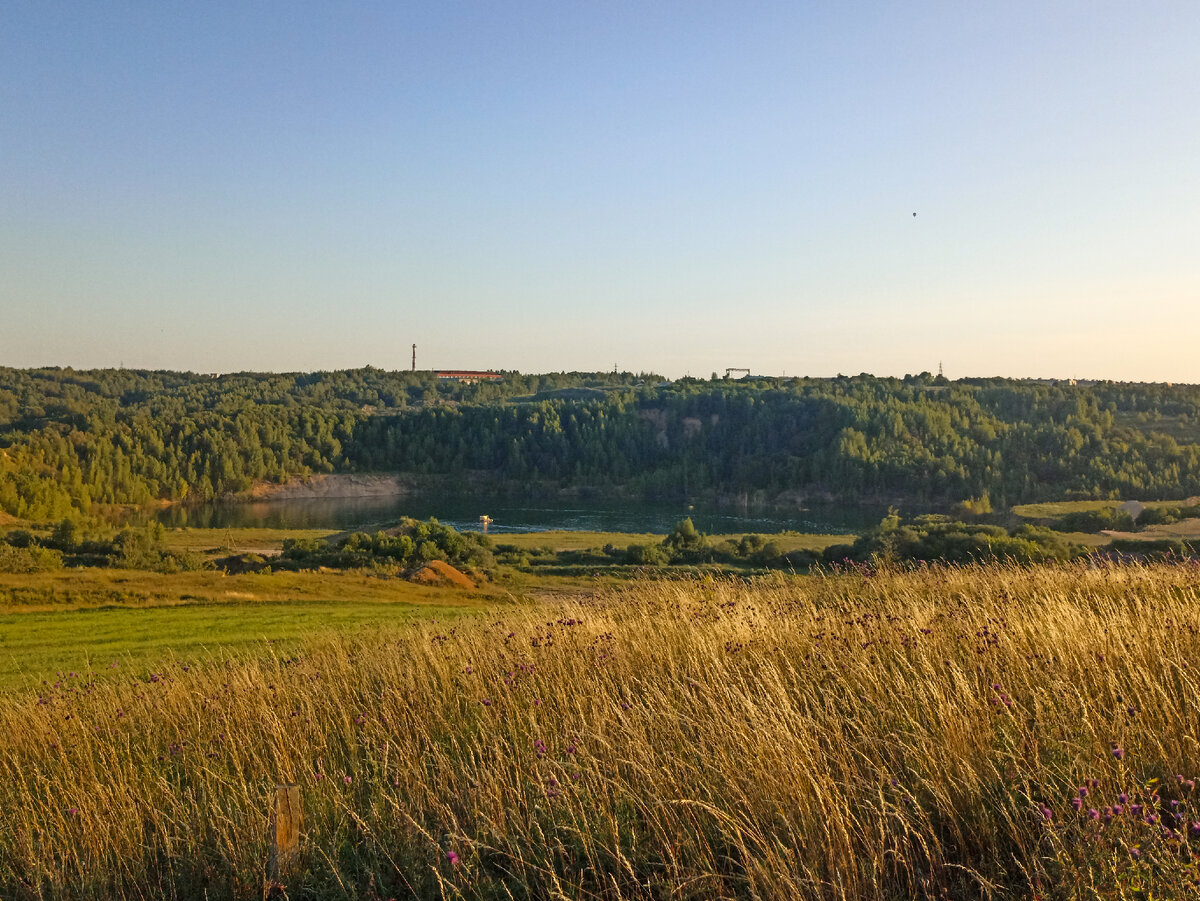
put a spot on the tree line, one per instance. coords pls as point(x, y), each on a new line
point(75, 441)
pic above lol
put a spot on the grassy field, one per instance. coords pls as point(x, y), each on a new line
point(47, 646)
point(1188, 529)
point(64, 621)
point(101, 587)
point(574, 541)
point(974, 733)
point(1055, 509)
point(88, 618)
point(213, 542)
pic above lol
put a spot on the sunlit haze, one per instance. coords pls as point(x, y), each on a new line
point(802, 189)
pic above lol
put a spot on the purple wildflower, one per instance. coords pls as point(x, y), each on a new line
point(1118, 752)
point(452, 857)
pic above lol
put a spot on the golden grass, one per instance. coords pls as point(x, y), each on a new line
point(859, 736)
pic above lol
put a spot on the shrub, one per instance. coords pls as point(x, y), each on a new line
point(29, 559)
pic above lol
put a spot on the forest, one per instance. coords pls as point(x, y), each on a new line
point(82, 442)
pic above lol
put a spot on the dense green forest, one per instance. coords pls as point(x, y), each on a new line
point(75, 441)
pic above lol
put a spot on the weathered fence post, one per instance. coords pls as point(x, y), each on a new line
point(284, 837)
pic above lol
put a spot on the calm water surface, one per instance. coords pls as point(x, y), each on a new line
point(514, 516)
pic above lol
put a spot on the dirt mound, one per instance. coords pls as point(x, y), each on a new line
point(439, 572)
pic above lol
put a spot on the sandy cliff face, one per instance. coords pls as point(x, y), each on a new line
point(328, 486)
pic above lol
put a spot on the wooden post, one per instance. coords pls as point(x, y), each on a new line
point(284, 836)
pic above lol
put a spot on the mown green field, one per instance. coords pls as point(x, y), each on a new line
point(71, 619)
point(119, 641)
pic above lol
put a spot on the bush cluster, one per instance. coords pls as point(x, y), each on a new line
point(408, 545)
point(22, 551)
point(939, 538)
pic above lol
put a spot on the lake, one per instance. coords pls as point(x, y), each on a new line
point(509, 515)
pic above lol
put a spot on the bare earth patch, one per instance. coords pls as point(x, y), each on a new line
point(437, 572)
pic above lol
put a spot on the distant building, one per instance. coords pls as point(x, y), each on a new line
point(467, 375)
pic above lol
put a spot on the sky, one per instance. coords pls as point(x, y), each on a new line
point(675, 187)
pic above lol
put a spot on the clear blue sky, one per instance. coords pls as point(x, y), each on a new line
point(671, 186)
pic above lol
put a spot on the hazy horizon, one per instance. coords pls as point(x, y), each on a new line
point(635, 372)
point(543, 187)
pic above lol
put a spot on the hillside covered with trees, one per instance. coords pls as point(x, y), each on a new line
point(75, 441)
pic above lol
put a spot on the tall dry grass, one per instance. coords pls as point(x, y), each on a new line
point(987, 732)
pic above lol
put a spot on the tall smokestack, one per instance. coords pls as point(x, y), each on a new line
point(414, 369)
